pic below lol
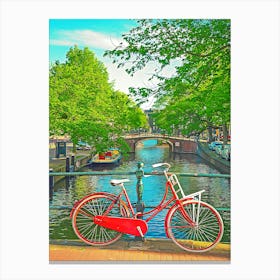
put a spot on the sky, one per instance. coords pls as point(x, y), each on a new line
point(98, 35)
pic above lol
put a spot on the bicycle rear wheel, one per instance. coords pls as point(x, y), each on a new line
point(82, 219)
point(204, 235)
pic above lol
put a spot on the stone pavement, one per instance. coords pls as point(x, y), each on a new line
point(155, 250)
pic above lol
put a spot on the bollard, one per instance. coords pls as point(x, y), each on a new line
point(67, 166)
point(72, 164)
point(57, 150)
point(51, 184)
point(67, 169)
point(139, 188)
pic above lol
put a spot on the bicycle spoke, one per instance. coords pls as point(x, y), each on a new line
point(186, 226)
point(206, 217)
point(204, 236)
point(206, 231)
point(84, 227)
point(82, 212)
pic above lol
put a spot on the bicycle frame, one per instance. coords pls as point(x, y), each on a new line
point(162, 205)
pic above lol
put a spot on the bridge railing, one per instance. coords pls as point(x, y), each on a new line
point(106, 173)
point(158, 135)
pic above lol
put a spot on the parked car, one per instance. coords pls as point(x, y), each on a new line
point(83, 146)
point(212, 145)
point(226, 152)
point(218, 149)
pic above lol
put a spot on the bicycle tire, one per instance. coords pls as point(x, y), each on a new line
point(202, 237)
point(90, 206)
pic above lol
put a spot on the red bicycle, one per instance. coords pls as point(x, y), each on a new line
point(101, 218)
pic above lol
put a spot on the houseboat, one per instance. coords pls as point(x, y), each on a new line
point(113, 156)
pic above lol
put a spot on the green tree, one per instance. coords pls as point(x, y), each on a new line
point(196, 112)
point(199, 50)
point(84, 105)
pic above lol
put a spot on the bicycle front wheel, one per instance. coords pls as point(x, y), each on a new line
point(201, 237)
point(101, 204)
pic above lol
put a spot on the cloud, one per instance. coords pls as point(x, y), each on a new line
point(122, 81)
point(55, 42)
point(87, 38)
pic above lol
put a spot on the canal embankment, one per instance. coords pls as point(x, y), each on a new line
point(211, 157)
point(74, 161)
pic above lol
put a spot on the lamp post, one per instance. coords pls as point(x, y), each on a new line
point(139, 187)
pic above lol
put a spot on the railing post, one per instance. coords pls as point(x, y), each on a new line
point(67, 167)
point(139, 188)
point(51, 184)
point(72, 167)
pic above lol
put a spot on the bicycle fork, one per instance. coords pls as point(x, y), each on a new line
point(193, 221)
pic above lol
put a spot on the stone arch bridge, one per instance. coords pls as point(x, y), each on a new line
point(176, 144)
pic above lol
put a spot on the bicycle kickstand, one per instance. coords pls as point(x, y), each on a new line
point(140, 231)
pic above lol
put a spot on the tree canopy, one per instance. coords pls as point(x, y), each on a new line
point(84, 105)
point(197, 95)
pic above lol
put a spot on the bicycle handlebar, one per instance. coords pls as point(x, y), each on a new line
point(161, 164)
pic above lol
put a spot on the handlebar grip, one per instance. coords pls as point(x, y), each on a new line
point(161, 164)
point(157, 165)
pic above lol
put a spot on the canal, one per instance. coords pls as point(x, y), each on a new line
point(217, 190)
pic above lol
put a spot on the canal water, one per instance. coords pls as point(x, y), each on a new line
point(217, 190)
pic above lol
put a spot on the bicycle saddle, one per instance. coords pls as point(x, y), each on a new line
point(118, 182)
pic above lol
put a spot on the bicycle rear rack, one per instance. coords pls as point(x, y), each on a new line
point(176, 185)
point(178, 189)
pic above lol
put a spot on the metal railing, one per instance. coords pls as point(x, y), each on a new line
point(97, 173)
point(139, 174)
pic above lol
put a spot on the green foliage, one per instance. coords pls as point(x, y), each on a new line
point(197, 96)
point(84, 105)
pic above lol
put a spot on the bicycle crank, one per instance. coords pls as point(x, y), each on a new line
point(131, 226)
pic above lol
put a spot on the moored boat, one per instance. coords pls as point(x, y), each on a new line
point(112, 156)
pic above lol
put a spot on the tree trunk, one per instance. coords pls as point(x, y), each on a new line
point(210, 134)
point(225, 134)
point(74, 148)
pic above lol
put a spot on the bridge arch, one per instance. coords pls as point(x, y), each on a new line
point(176, 144)
point(171, 145)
